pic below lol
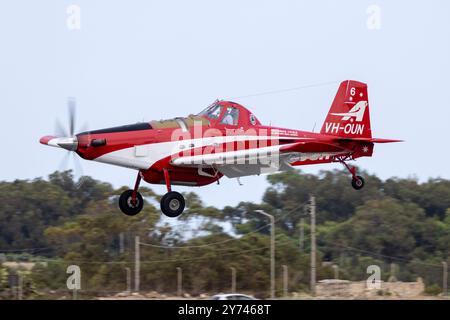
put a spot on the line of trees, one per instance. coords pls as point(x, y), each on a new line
point(54, 224)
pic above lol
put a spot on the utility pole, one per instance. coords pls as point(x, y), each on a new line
point(444, 278)
point(121, 243)
point(137, 264)
point(179, 281)
point(393, 277)
point(302, 234)
point(20, 285)
point(272, 252)
point(285, 280)
point(313, 244)
point(233, 279)
point(128, 272)
point(336, 271)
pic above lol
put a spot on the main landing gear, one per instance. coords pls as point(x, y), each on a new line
point(172, 203)
point(130, 201)
point(357, 181)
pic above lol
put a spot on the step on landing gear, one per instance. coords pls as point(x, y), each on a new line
point(130, 201)
point(172, 203)
point(357, 181)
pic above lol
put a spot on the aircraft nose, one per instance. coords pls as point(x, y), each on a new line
point(46, 139)
point(68, 143)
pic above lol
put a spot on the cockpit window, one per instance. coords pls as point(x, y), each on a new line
point(231, 116)
point(212, 112)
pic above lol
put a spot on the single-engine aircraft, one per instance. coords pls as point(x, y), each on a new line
point(225, 139)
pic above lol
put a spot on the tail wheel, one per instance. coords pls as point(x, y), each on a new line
point(172, 204)
point(128, 206)
point(358, 182)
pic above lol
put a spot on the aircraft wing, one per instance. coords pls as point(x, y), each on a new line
point(258, 161)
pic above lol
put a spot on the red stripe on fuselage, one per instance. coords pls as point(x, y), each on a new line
point(122, 140)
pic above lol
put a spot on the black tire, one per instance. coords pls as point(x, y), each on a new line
point(126, 206)
point(358, 183)
point(172, 204)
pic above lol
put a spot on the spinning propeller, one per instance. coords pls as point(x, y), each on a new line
point(65, 138)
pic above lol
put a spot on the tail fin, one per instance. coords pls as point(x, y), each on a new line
point(349, 114)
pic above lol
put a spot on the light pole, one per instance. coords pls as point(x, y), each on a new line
point(233, 279)
point(179, 281)
point(444, 277)
point(313, 244)
point(272, 251)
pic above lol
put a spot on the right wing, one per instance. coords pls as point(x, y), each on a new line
point(258, 161)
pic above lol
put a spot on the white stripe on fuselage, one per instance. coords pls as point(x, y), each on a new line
point(251, 156)
point(157, 151)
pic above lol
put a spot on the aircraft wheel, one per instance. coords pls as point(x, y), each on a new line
point(358, 183)
point(172, 204)
point(126, 203)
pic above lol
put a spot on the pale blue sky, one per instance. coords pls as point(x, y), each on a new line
point(135, 60)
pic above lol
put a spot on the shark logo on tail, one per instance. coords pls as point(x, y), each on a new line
point(357, 111)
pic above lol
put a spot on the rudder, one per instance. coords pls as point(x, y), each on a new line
point(349, 115)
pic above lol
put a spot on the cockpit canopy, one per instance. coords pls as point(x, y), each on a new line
point(230, 114)
point(212, 112)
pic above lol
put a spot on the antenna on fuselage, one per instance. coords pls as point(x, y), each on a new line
point(314, 127)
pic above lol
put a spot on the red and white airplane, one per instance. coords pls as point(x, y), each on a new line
point(225, 139)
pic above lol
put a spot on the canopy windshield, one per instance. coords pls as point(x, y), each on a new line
point(212, 112)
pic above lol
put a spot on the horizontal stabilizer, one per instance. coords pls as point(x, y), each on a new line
point(308, 147)
point(372, 140)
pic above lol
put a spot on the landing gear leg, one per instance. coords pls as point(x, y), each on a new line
point(172, 203)
point(357, 181)
point(130, 201)
point(135, 190)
